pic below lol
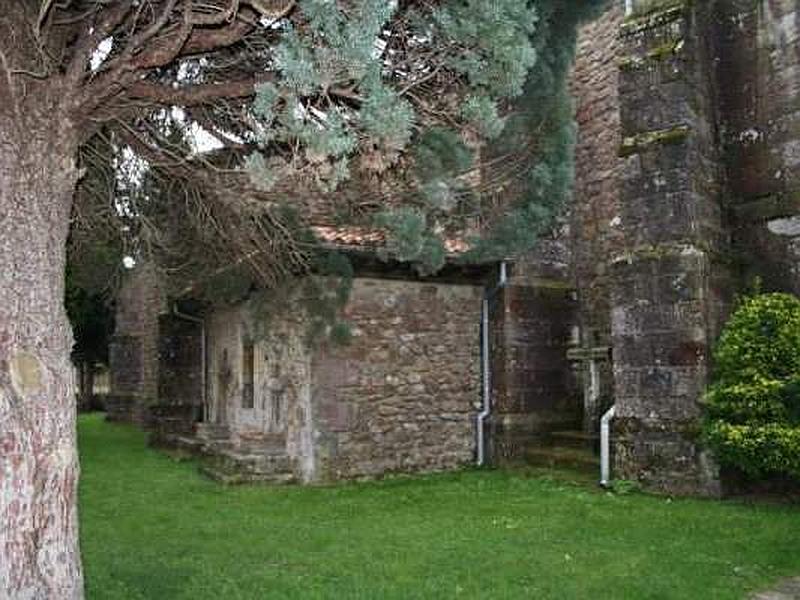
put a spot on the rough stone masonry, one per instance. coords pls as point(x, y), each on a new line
point(689, 120)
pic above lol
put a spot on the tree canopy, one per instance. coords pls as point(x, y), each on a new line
point(237, 125)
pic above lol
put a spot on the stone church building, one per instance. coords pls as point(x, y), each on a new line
point(687, 190)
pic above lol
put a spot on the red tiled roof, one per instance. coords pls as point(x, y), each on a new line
point(366, 238)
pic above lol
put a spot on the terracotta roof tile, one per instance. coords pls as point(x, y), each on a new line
point(366, 238)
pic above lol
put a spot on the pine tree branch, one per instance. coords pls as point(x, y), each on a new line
point(190, 95)
point(105, 23)
point(205, 40)
point(122, 77)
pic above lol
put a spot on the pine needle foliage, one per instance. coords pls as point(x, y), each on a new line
point(518, 61)
point(429, 120)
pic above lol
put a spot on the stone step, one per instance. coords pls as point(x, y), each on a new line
point(212, 431)
point(227, 477)
point(231, 467)
point(578, 459)
point(270, 443)
point(575, 439)
point(187, 442)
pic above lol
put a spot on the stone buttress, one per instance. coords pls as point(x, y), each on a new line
point(669, 284)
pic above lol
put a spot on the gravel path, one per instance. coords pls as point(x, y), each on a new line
point(788, 589)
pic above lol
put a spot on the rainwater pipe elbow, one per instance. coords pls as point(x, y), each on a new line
point(605, 447)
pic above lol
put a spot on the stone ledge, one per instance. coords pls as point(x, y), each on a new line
point(660, 252)
point(655, 56)
point(656, 13)
point(774, 206)
point(650, 139)
point(548, 283)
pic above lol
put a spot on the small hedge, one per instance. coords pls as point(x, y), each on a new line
point(758, 450)
point(753, 405)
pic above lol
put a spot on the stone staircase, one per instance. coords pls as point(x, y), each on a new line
point(212, 435)
point(257, 458)
point(234, 467)
point(250, 459)
point(572, 450)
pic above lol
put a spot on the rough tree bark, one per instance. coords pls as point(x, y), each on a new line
point(39, 555)
point(46, 95)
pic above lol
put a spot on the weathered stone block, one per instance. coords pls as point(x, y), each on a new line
point(664, 456)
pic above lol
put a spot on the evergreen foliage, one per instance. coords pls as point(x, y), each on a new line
point(487, 81)
point(525, 65)
point(92, 325)
point(335, 53)
point(408, 240)
point(417, 104)
point(496, 42)
point(93, 265)
point(544, 116)
point(753, 406)
point(324, 295)
point(89, 312)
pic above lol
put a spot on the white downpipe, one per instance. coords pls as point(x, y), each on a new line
point(202, 324)
point(605, 447)
point(486, 391)
point(503, 276)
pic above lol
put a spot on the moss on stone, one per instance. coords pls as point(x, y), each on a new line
point(657, 252)
point(550, 284)
point(660, 53)
point(643, 141)
point(665, 50)
point(772, 206)
point(653, 15)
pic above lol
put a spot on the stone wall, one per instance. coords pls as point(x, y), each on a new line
point(687, 190)
point(180, 375)
point(180, 378)
point(533, 323)
point(596, 215)
point(758, 74)
point(404, 394)
point(275, 410)
point(134, 347)
point(668, 285)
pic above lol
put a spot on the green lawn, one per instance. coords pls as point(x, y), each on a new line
point(154, 528)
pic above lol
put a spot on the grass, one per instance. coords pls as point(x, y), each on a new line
point(154, 528)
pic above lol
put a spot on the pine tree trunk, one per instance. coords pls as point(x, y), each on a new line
point(39, 555)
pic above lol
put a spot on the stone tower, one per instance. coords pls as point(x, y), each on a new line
point(687, 186)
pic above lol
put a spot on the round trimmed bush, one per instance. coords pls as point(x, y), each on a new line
point(753, 406)
point(761, 339)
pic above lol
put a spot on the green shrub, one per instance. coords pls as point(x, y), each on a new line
point(759, 402)
point(758, 450)
point(753, 405)
point(761, 339)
